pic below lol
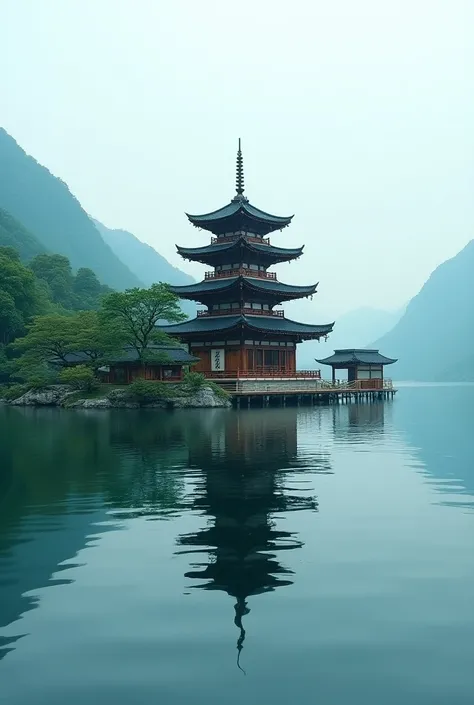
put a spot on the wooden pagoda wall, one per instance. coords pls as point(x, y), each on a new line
point(246, 359)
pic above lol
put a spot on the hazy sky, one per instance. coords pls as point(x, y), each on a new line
point(357, 116)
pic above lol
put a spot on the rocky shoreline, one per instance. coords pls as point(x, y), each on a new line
point(64, 397)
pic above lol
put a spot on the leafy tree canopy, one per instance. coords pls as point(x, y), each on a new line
point(20, 298)
point(135, 313)
point(55, 336)
point(82, 292)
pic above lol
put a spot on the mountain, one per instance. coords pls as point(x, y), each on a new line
point(14, 234)
point(434, 339)
point(145, 262)
point(354, 329)
point(46, 207)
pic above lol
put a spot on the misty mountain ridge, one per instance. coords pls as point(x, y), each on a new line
point(434, 339)
point(354, 329)
point(14, 234)
point(44, 205)
point(144, 261)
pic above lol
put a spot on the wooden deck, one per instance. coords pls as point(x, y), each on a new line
point(273, 392)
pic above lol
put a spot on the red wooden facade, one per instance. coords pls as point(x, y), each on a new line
point(125, 373)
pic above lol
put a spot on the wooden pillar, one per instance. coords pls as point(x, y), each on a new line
point(333, 375)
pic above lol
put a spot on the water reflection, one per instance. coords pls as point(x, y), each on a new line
point(437, 421)
point(245, 462)
point(60, 489)
point(379, 593)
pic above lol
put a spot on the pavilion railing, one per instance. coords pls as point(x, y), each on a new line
point(231, 238)
point(242, 271)
point(359, 384)
point(241, 311)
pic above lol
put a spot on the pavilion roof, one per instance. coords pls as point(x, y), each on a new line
point(206, 325)
point(210, 253)
point(239, 214)
point(208, 287)
point(354, 356)
point(176, 354)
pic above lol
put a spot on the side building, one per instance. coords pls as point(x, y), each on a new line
point(241, 332)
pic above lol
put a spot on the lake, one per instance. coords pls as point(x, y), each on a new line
point(312, 555)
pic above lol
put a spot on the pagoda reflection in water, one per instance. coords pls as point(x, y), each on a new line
point(245, 465)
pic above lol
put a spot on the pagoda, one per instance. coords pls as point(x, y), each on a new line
point(241, 332)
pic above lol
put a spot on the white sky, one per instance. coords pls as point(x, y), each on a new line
point(357, 116)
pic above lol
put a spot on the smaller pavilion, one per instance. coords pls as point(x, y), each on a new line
point(363, 366)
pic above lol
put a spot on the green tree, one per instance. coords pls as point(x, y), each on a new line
point(19, 295)
point(135, 313)
point(56, 271)
point(94, 338)
point(48, 338)
point(80, 377)
point(55, 336)
point(88, 291)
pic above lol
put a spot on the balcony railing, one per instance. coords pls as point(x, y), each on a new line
point(241, 311)
point(231, 238)
point(241, 272)
point(264, 372)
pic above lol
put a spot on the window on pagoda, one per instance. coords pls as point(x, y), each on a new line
point(270, 358)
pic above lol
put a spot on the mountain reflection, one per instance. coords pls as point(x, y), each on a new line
point(245, 462)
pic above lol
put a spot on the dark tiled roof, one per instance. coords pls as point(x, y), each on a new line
point(264, 324)
point(269, 286)
point(213, 253)
point(175, 353)
point(353, 356)
point(239, 212)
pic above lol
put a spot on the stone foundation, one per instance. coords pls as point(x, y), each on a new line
point(275, 386)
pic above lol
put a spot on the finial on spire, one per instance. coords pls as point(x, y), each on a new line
point(239, 182)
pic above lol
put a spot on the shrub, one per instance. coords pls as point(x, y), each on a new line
point(148, 392)
point(194, 381)
point(218, 391)
point(39, 381)
point(14, 391)
point(80, 377)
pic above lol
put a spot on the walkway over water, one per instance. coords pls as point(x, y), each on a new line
point(302, 389)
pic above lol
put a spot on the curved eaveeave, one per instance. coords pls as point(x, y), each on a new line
point(209, 254)
point(354, 356)
point(263, 324)
point(238, 214)
point(270, 287)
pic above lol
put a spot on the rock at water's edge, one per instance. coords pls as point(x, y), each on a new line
point(204, 398)
point(52, 396)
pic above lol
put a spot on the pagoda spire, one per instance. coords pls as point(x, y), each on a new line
point(239, 181)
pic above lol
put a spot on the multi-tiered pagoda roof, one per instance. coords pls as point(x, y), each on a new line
point(240, 293)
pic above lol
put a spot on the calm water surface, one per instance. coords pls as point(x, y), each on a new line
point(313, 555)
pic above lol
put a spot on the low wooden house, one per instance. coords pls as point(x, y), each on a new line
point(166, 363)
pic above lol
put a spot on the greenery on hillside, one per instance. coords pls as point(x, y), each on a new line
point(21, 295)
point(434, 339)
point(42, 336)
point(14, 234)
point(45, 291)
point(46, 207)
point(79, 292)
